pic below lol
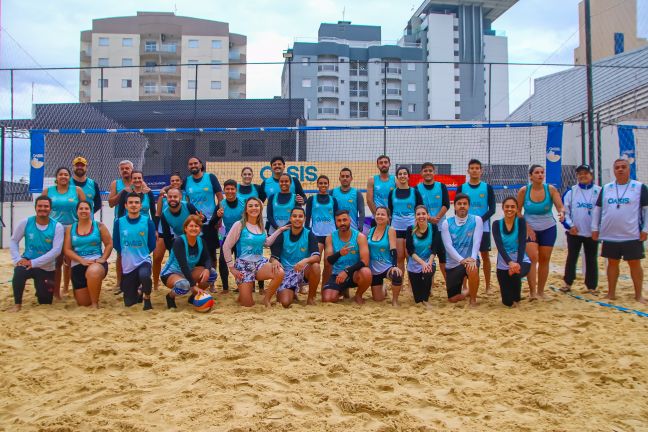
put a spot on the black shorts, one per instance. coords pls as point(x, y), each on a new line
point(628, 250)
point(377, 279)
point(401, 234)
point(485, 245)
point(441, 253)
point(333, 285)
point(321, 239)
point(78, 276)
point(454, 279)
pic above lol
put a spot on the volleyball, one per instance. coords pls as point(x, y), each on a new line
point(203, 302)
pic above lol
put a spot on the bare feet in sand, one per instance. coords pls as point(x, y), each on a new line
point(310, 302)
point(359, 300)
point(15, 308)
point(641, 300)
point(610, 296)
point(395, 303)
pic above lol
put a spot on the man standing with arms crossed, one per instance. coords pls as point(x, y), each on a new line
point(350, 199)
point(380, 186)
point(437, 201)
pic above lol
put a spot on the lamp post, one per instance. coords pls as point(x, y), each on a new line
point(288, 55)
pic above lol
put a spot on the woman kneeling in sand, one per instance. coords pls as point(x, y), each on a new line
point(189, 267)
point(249, 236)
point(82, 245)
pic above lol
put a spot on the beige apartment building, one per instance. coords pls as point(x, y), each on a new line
point(614, 29)
point(153, 56)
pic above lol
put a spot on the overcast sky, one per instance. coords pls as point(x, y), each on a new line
point(47, 33)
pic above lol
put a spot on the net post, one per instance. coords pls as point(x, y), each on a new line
point(385, 65)
point(490, 91)
point(599, 169)
point(583, 148)
point(2, 183)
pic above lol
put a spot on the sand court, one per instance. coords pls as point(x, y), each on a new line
point(561, 364)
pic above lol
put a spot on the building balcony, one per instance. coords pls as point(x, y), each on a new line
point(328, 70)
point(328, 91)
point(157, 90)
point(85, 56)
point(236, 95)
point(393, 113)
point(237, 57)
point(328, 113)
point(359, 114)
point(85, 76)
point(237, 77)
point(393, 94)
point(359, 93)
point(392, 72)
point(170, 70)
point(165, 50)
point(358, 72)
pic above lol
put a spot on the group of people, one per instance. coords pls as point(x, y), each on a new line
point(320, 238)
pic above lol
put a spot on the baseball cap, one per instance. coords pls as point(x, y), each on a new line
point(79, 159)
point(584, 167)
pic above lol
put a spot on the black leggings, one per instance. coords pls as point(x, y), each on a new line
point(590, 246)
point(210, 235)
point(130, 282)
point(224, 272)
point(421, 284)
point(511, 286)
point(43, 283)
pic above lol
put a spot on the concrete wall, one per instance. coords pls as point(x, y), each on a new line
point(441, 77)
point(496, 51)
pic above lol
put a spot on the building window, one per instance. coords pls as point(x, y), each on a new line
point(102, 62)
point(457, 104)
point(104, 41)
point(150, 46)
point(193, 43)
point(456, 78)
point(308, 104)
point(104, 82)
point(411, 87)
point(618, 43)
point(305, 61)
point(216, 44)
point(127, 42)
point(306, 83)
point(191, 85)
point(456, 53)
point(215, 85)
point(411, 108)
point(127, 61)
point(217, 148)
point(215, 64)
point(252, 148)
point(126, 83)
point(411, 66)
point(170, 87)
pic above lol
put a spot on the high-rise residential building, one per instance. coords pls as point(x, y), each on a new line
point(614, 29)
point(349, 74)
point(151, 56)
point(458, 40)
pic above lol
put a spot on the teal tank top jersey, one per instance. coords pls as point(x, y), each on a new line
point(538, 215)
point(354, 253)
point(134, 242)
point(88, 245)
point(176, 221)
point(89, 191)
point(510, 241)
point(201, 194)
point(250, 246)
point(271, 186)
point(37, 242)
point(403, 215)
point(281, 212)
point(254, 193)
point(322, 217)
point(294, 251)
point(432, 198)
point(379, 253)
point(63, 205)
point(119, 186)
point(422, 248)
point(348, 201)
point(462, 238)
point(231, 215)
point(478, 200)
point(382, 189)
point(173, 267)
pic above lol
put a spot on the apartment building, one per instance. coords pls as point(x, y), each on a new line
point(161, 56)
point(349, 74)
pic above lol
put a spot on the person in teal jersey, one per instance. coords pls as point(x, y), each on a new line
point(350, 199)
point(170, 227)
point(89, 186)
point(535, 202)
point(380, 186)
point(320, 216)
point(204, 191)
point(347, 251)
point(482, 204)
point(271, 186)
point(437, 201)
point(422, 245)
point(509, 234)
point(145, 193)
point(175, 181)
point(65, 196)
point(230, 210)
point(401, 203)
point(245, 189)
point(249, 237)
point(82, 246)
point(189, 268)
point(43, 243)
point(381, 241)
point(134, 238)
point(117, 187)
point(297, 252)
point(461, 235)
point(280, 204)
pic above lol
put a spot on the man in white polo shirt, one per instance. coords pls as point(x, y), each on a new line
point(619, 220)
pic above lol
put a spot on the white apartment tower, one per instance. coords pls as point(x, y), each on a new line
point(152, 56)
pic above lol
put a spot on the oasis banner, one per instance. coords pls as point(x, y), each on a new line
point(627, 148)
point(554, 154)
